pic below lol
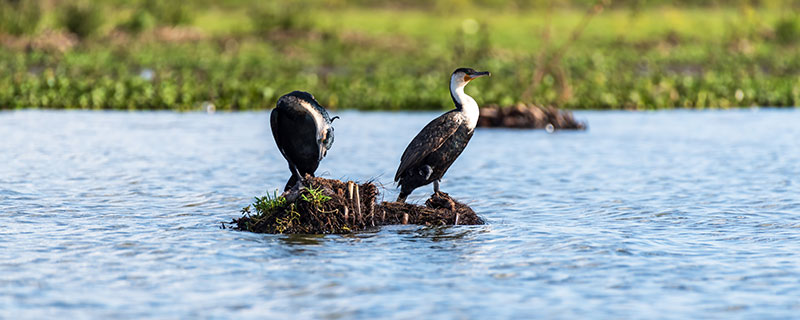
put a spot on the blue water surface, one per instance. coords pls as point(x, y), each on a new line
point(673, 215)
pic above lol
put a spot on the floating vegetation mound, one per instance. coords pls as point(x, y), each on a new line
point(439, 210)
point(325, 206)
point(333, 206)
point(528, 117)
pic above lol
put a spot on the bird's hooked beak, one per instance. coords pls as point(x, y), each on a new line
point(334, 118)
point(479, 74)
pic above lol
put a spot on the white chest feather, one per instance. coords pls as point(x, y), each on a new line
point(468, 105)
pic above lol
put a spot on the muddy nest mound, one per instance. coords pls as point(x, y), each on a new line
point(325, 206)
point(332, 206)
point(528, 117)
point(439, 210)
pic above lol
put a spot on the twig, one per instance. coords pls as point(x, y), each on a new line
point(358, 204)
point(372, 213)
point(350, 197)
point(350, 190)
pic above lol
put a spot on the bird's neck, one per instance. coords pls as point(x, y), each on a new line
point(465, 104)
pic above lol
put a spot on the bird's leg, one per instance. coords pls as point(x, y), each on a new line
point(435, 186)
point(292, 191)
point(300, 178)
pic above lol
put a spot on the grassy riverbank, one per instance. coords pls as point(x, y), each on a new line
point(243, 56)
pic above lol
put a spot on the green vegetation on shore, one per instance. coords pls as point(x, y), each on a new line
point(237, 55)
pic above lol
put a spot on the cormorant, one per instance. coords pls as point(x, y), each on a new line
point(303, 132)
point(437, 146)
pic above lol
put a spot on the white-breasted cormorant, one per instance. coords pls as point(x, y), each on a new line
point(437, 146)
point(302, 129)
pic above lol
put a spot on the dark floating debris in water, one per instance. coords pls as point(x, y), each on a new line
point(332, 206)
point(528, 117)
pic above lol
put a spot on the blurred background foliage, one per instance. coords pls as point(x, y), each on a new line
point(393, 55)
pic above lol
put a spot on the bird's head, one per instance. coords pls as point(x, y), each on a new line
point(462, 76)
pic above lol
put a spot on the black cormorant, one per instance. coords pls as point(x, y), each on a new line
point(437, 146)
point(303, 132)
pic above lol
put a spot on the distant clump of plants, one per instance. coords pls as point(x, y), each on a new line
point(83, 19)
point(152, 13)
point(787, 30)
point(172, 13)
point(19, 17)
point(271, 16)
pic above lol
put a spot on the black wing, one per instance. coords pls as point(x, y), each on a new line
point(273, 124)
point(428, 140)
point(316, 114)
point(295, 133)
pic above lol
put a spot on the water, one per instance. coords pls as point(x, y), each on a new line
point(646, 215)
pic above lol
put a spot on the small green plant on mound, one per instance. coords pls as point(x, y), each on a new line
point(267, 203)
point(291, 218)
point(315, 197)
point(267, 209)
point(264, 207)
point(275, 214)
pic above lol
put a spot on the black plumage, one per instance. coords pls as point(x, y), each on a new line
point(303, 132)
point(434, 149)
